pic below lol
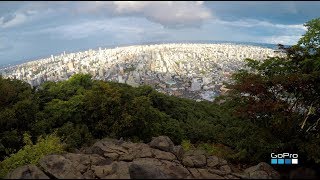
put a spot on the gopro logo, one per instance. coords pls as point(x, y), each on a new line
point(284, 158)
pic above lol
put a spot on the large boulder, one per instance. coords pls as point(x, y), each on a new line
point(27, 172)
point(121, 170)
point(262, 171)
point(116, 170)
point(59, 167)
point(109, 148)
point(195, 158)
point(163, 155)
point(72, 165)
point(226, 169)
point(102, 171)
point(175, 169)
point(85, 161)
point(163, 168)
point(178, 151)
point(144, 171)
point(163, 143)
point(213, 161)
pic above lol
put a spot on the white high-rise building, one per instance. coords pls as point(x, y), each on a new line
point(70, 66)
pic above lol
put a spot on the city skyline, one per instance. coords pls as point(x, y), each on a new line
point(35, 29)
point(195, 71)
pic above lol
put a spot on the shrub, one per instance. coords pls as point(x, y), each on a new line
point(186, 145)
point(31, 153)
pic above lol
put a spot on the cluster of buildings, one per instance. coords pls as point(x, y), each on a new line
point(195, 71)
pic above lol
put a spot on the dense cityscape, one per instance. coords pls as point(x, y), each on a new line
point(195, 71)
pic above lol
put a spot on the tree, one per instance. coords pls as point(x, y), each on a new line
point(283, 94)
point(311, 39)
point(17, 110)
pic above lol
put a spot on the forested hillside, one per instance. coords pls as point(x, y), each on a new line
point(80, 110)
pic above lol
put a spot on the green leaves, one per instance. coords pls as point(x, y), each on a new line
point(275, 95)
point(311, 39)
point(31, 154)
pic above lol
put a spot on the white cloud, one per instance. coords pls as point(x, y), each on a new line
point(282, 39)
point(255, 23)
point(91, 28)
point(281, 33)
point(167, 13)
point(30, 12)
point(18, 19)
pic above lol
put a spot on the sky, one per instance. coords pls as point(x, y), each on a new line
point(32, 30)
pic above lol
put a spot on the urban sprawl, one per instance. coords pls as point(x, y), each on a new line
point(195, 71)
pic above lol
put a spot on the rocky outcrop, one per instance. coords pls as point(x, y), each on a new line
point(27, 172)
point(116, 159)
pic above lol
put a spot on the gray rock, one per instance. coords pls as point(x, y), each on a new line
point(205, 174)
point(126, 157)
point(218, 172)
point(194, 159)
point(178, 151)
point(108, 147)
point(163, 143)
point(240, 175)
point(135, 150)
point(226, 169)
point(174, 169)
point(166, 168)
point(163, 155)
point(148, 161)
point(129, 145)
point(199, 152)
point(259, 175)
point(187, 161)
point(222, 162)
point(261, 166)
point(116, 170)
point(143, 171)
point(111, 176)
point(88, 175)
point(143, 151)
point(124, 160)
point(212, 161)
point(263, 171)
point(79, 162)
point(59, 167)
point(229, 176)
point(27, 172)
point(113, 156)
point(102, 171)
point(121, 169)
point(86, 150)
point(84, 161)
point(194, 172)
point(199, 160)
